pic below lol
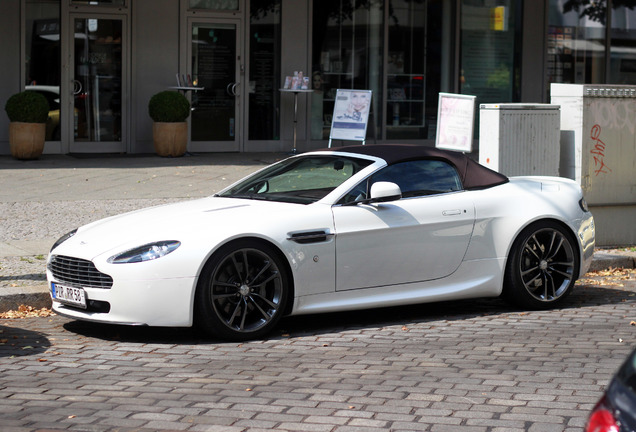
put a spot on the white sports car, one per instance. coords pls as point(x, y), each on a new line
point(340, 229)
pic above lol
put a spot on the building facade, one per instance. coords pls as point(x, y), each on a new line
point(99, 62)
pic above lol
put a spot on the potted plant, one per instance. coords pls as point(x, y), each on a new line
point(28, 112)
point(169, 111)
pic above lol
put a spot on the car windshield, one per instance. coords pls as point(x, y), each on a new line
point(302, 180)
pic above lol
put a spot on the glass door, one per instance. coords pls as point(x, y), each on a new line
point(215, 67)
point(98, 65)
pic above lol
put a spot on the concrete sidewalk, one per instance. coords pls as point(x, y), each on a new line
point(43, 199)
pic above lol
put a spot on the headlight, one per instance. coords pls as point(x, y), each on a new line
point(146, 252)
point(62, 239)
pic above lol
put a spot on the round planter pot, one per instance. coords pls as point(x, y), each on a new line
point(170, 139)
point(26, 140)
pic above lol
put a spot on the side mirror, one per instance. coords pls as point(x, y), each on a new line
point(385, 191)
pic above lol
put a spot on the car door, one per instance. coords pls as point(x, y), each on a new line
point(422, 236)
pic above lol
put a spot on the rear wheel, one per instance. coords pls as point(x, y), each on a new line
point(242, 291)
point(542, 267)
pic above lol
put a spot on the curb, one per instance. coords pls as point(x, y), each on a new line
point(35, 296)
point(604, 260)
point(38, 296)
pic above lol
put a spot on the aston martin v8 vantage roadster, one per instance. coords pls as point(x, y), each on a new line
point(339, 229)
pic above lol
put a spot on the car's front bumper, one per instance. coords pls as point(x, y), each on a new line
point(587, 240)
point(160, 302)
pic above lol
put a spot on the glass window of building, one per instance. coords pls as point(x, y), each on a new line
point(622, 68)
point(576, 42)
point(98, 70)
point(488, 68)
point(214, 4)
point(414, 68)
point(214, 69)
point(264, 74)
point(42, 49)
point(347, 53)
point(100, 2)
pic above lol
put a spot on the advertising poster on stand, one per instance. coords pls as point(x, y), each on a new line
point(351, 115)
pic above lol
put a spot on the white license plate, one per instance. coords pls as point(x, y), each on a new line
point(70, 295)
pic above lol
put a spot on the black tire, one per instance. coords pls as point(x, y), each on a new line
point(242, 291)
point(542, 267)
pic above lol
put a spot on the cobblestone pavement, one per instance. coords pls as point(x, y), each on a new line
point(474, 365)
point(453, 366)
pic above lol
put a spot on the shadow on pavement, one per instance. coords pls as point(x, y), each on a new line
point(134, 334)
point(17, 342)
point(582, 296)
point(315, 325)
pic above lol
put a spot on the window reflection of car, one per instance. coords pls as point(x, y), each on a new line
point(52, 95)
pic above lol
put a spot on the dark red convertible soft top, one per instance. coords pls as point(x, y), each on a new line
point(473, 175)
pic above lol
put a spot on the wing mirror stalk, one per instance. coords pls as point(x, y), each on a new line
point(380, 192)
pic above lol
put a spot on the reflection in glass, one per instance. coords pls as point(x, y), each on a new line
point(214, 4)
point(214, 68)
point(487, 64)
point(265, 73)
point(576, 43)
point(623, 52)
point(100, 2)
point(347, 54)
point(413, 68)
point(97, 80)
point(42, 46)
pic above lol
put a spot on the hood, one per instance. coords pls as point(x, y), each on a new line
point(178, 221)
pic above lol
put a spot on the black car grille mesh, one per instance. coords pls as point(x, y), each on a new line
point(78, 272)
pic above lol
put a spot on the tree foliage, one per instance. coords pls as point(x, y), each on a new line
point(596, 10)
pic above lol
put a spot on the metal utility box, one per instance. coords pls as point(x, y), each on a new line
point(519, 139)
point(598, 150)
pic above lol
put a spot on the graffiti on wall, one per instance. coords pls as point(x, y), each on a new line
point(598, 152)
point(614, 113)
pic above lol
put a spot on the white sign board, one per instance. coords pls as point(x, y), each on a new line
point(350, 115)
point(455, 122)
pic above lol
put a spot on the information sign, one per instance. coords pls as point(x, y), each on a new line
point(455, 122)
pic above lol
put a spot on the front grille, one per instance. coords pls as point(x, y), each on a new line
point(78, 272)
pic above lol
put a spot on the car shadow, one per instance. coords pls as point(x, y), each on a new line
point(328, 323)
point(18, 342)
point(303, 325)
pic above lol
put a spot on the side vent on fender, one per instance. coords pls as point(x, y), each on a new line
point(307, 237)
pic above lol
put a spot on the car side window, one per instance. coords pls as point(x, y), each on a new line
point(415, 178)
point(421, 177)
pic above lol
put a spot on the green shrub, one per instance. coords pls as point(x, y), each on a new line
point(169, 107)
point(27, 107)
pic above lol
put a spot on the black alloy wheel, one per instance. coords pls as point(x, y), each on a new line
point(242, 291)
point(543, 266)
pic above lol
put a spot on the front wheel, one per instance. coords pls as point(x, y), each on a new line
point(242, 292)
point(542, 267)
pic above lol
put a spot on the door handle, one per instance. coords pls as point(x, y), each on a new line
point(231, 89)
point(77, 87)
point(451, 212)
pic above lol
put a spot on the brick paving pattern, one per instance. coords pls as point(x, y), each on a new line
point(474, 365)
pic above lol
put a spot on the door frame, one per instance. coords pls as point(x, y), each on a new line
point(239, 117)
point(67, 85)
